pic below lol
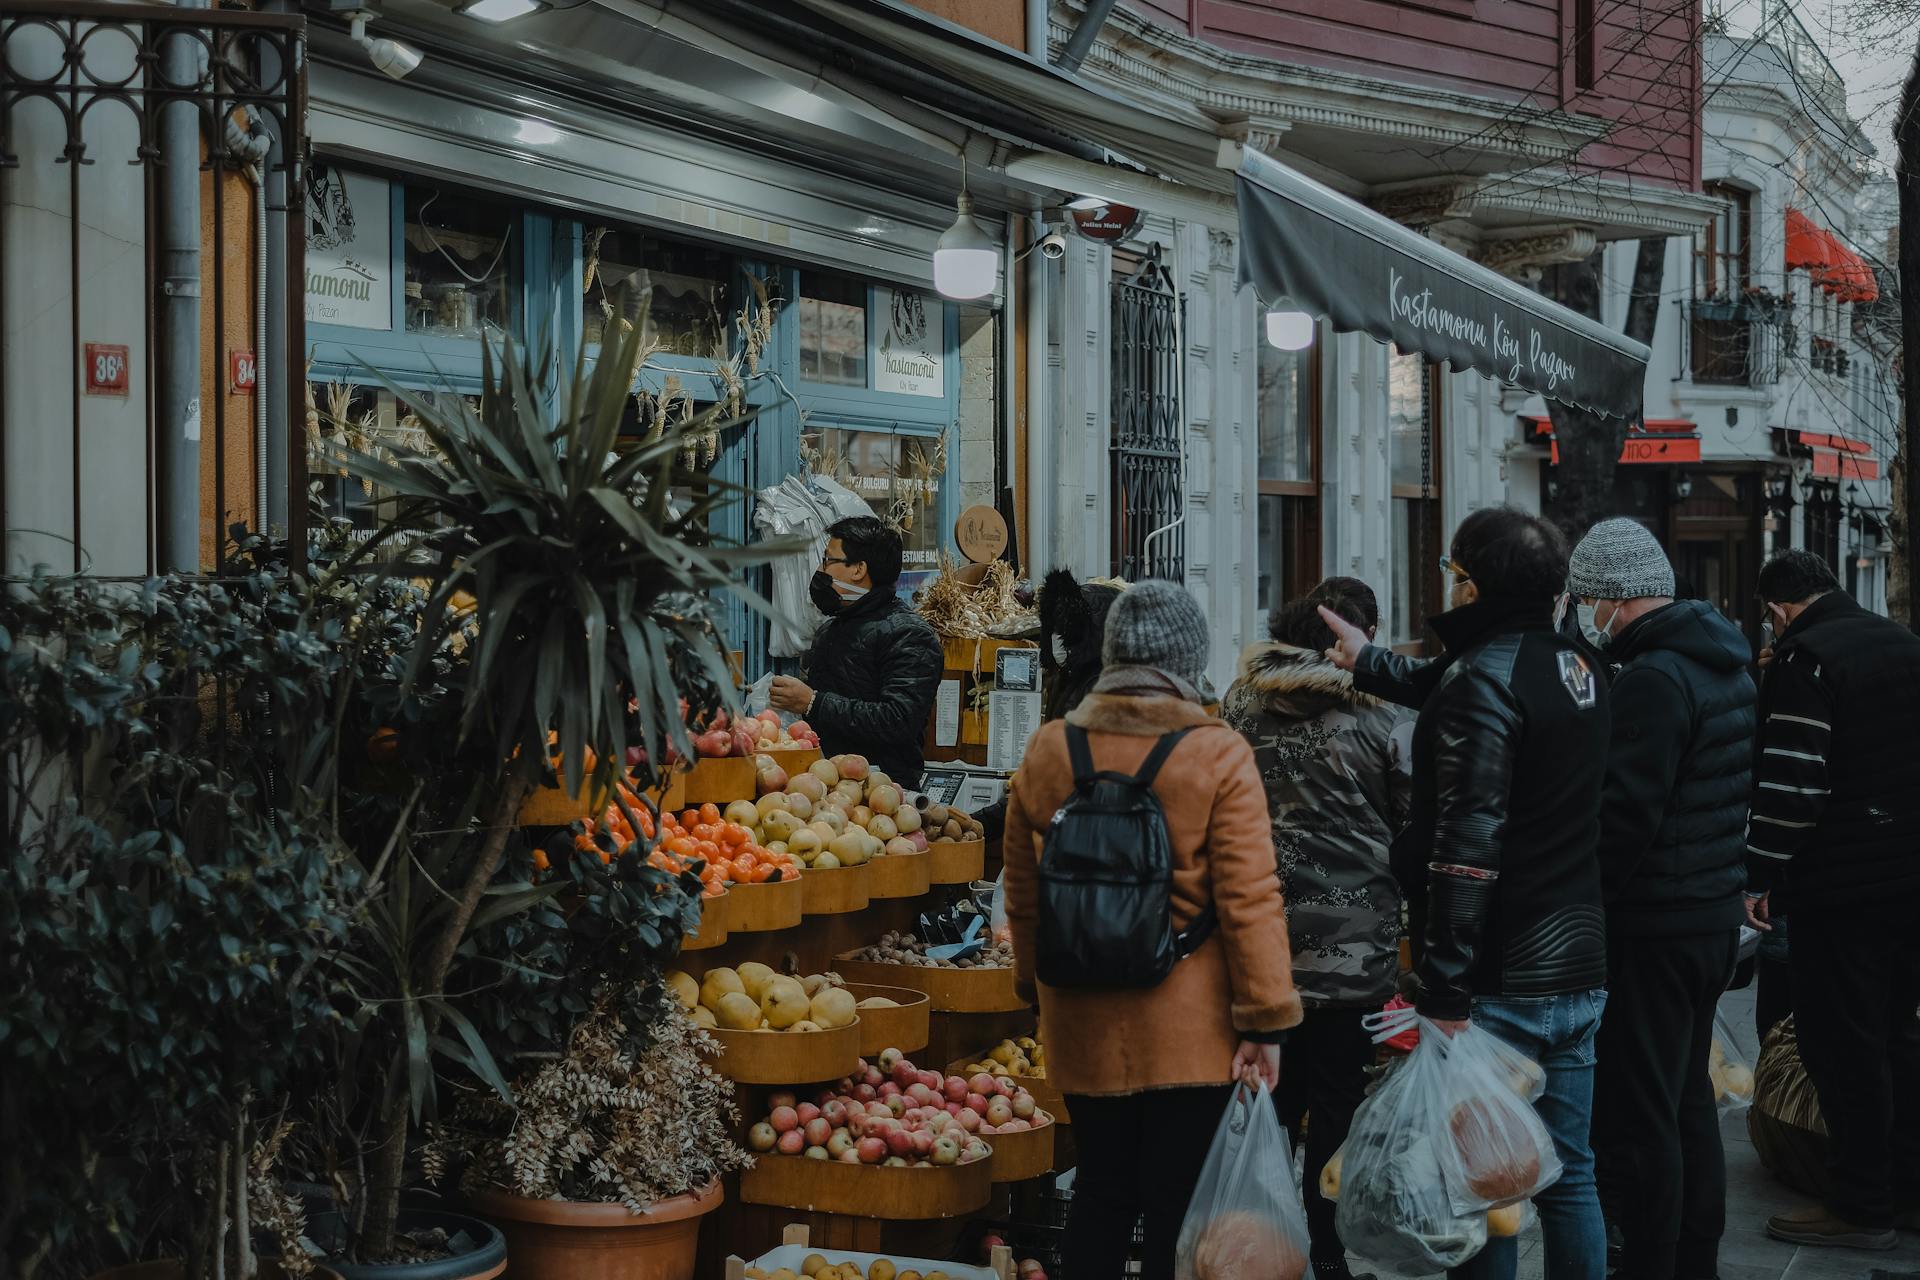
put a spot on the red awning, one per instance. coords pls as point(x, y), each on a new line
point(1838, 457)
point(1827, 260)
point(1663, 440)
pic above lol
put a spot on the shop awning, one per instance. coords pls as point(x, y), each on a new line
point(1837, 457)
point(1660, 440)
point(1305, 247)
point(1827, 259)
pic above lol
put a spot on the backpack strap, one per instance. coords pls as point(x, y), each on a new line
point(1080, 752)
point(1150, 769)
point(1189, 939)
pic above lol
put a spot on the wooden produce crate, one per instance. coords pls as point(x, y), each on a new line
point(1018, 1157)
point(794, 760)
point(713, 925)
point(950, 990)
point(957, 861)
point(786, 1057)
point(901, 875)
point(971, 664)
point(720, 781)
point(796, 1246)
point(837, 892)
point(868, 1190)
point(905, 1028)
point(765, 908)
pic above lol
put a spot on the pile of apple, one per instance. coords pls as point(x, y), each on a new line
point(892, 1113)
point(755, 998)
point(817, 1267)
point(837, 813)
point(1022, 1057)
point(747, 735)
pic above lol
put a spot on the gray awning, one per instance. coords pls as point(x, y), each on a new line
point(1368, 274)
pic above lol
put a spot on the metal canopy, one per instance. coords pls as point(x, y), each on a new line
point(1304, 247)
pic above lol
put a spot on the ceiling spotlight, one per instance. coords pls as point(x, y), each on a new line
point(966, 261)
point(501, 10)
point(392, 57)
point(1289, 330)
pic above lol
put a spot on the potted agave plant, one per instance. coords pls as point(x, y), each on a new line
point(611, 1153)
point(564, 544)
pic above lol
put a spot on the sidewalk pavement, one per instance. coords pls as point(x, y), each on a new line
point(1752, 1197)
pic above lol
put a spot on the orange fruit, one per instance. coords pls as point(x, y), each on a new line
point(540, 860)
point(710, 812)
point(383, 744)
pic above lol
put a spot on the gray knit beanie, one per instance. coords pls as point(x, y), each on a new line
point(1619, 560)
point(1157, 624)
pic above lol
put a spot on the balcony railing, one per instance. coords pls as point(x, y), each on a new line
point(1733, 343)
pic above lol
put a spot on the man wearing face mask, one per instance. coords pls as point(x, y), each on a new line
point(1672, 863)
point(874, 668)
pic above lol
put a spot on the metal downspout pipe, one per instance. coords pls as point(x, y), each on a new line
point(273, 389)
point(1085, 34)
point(176, 424)
point(1040, 472)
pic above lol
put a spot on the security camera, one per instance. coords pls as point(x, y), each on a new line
point(392, 57)
point(1053, 245)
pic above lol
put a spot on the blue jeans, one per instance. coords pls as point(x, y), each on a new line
point(1558, 1033)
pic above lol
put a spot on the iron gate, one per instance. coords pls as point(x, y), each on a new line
point(1148, 448)
point(141, 349)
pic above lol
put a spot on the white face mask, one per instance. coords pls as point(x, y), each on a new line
point(1598, 635)
point(848, 591)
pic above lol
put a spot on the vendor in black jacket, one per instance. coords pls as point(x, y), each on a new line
point(1673, 863)
point(874, 668)
point(1508, 757)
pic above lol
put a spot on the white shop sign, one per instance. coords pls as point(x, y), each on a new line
point(909, 356)
point(349, 249)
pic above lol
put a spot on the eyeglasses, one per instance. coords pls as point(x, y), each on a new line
point(840, 560)
point(1448, 566)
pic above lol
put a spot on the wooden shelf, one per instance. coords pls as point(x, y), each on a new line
point(951, 990)
point(957, 861)
point(905, 1028)
point(837, 892)
point(1020, 1156)
point(713, 926)
point(765, 908)
point(901, 875)
point(787, 1057)
point(868, 1190)
point(720, 781)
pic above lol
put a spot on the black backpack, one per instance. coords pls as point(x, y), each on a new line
point(1106, 875)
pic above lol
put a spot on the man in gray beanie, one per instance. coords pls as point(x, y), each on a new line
point(1672, 859)
point(1158, 626)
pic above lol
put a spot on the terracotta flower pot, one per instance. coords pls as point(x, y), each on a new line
point(567, 1240)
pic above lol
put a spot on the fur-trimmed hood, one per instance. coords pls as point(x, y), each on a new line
point(1147, 717)
point(1287, 679)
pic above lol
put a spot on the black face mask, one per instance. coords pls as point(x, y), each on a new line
point(825, 598)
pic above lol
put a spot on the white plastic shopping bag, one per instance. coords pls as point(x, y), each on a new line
point(1245, 1221)
point(1450, 1134)
point(1732, 1074)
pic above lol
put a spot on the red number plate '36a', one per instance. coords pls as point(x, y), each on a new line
point(107, 370)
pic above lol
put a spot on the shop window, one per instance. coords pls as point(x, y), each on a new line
point(833, 330)
point(1822, 525)
point(899, 475)
point(459, 264)
point(1148, 442)
point(1723, 249)
point(365, 420)
point(1413, 455)
point(1289, 475)
point(686, 287)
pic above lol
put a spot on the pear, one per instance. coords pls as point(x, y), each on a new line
point(784, 1003)
point(717, 984)
point(754, 978)
point(833, 1007)
point(683, 985)
point(737, 1012)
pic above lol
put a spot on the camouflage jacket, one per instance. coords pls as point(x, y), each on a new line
point(1336, 764)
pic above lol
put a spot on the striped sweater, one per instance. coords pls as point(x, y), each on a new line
point(1835, 818)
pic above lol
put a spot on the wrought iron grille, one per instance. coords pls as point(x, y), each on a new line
point(99, 104)
point(1148, 447)
point(1732, 344)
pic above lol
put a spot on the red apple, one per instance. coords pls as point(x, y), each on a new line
point(873, 1077)
point(945, 1152)
point(762, 1137)
point(969, 1119)
point(818, 1131)
point(808, 1111)
point(865, 1092)
point(879, 1111)
point(902, 1072)
point(956, 1089)
point(872, 1150)
point(899, 1142)
point(817, 1153)
point(838, 1142)
point(983, 1084)
point(784, 1119)
point(850, 1156)
point(784, 1098)
point(922, 1144)
point(889, 1090)
point(977, 1103)
point(792, 1142)
point(1024, 1105)
point(834, 1110)
point(897, 1105)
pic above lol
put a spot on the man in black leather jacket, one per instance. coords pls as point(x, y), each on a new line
point(874, 668)
point(1673, 863)
point(1508, 757)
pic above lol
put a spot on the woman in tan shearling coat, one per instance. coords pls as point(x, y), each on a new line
point(1147, 1071)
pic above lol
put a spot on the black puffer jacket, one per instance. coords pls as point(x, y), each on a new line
point(1508, 758)
point(875, 670)
point(1673, 816)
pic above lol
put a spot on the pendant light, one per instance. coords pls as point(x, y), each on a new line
point(966, 261)
point(1288, 328)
